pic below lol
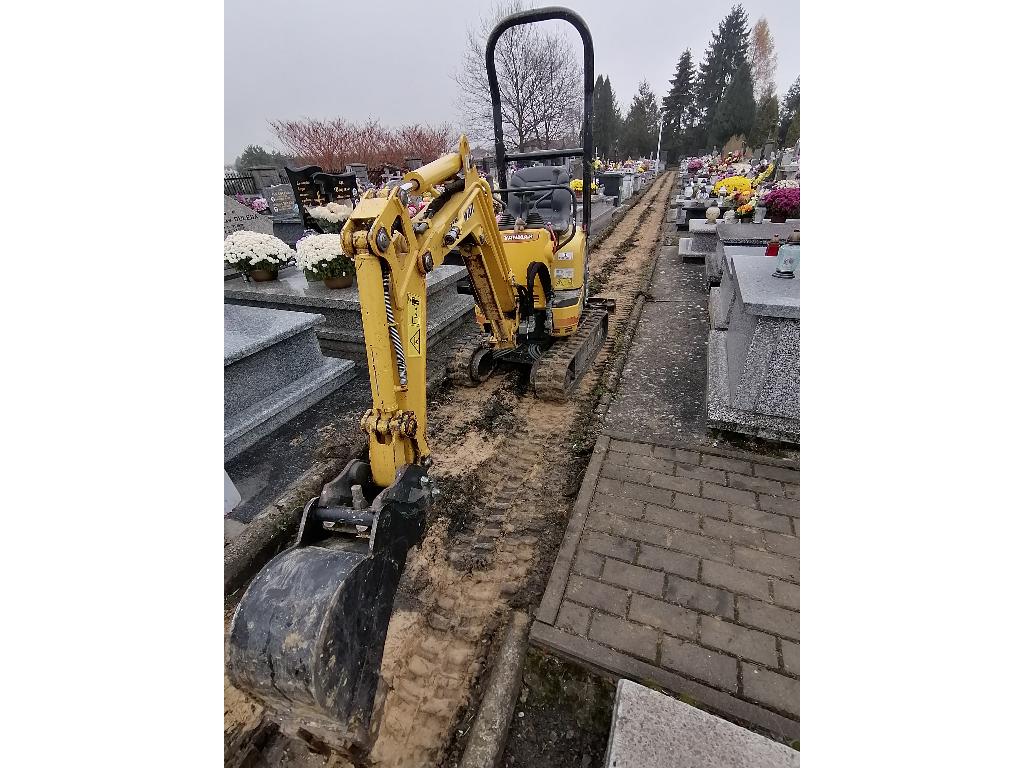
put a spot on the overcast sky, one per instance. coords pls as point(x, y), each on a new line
point(395, 60)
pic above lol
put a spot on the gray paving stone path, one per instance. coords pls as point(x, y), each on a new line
point(680, 565)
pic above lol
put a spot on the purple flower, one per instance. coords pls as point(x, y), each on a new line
point(783, 202)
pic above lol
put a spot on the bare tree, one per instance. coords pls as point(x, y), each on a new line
point(333, 143)
point(763, 59)
point(539, 78)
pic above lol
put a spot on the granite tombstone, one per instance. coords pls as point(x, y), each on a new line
point(238, 216)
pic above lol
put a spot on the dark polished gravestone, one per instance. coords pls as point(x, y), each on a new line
point(312, 187)
point(273, 371)
point(288, 224)
point(754, 349)
point(342, 333)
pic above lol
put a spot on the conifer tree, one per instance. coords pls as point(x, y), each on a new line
point(766, 121)
point(734, 115)
point(678, 107)
point(640, 130)
point(722, 58)
point(790, 106)
point(607, 118)
point(793, 131)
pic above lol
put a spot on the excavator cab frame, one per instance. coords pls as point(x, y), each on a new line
point(586, 151)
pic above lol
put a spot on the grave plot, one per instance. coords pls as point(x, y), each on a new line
point(341, 335)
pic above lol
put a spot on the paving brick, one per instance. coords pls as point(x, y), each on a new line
point(777, 473)
point(737, 640)
point(768, 562)
point(668, 561)
point(628, 447)
point(650, 533)
point(588, 563)
point(676, 454)
point(792, 491)
point(647, 493)
point(708, 507)
point(702, 546)
point(676, 518)
point(615, 457)
point(631, 474)
point(735, 579)
point(694, 661)
point(755, 518)
point(786, 594)
point(779, 505)
point(573, 617)
point(732, 532)
point(683, 484)
point(771, 688)
point(625, 636)
point(699, 597)
point(796, 525)
point(702, 473)
point(633, 577)
point(620, 506)
point(770, 618)
point(784, 545)
point(730, 495)
point(612, 546)
point(597, 595)
point(791, 656)
point(650, 462)
point(732, 465)
point(609, 486)
point(757, 484)
point(671, 618)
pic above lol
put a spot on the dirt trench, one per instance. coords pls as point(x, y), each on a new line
point(509, 466)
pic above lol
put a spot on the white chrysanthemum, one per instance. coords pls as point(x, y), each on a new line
point(254, 248)
point(316, 251)
point(336, 213)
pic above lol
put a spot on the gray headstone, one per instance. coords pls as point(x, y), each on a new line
point(652, 730)
point(280, 198)
point(238, 216)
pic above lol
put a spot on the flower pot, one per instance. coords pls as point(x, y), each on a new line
point(263, 275)
point(339, 282)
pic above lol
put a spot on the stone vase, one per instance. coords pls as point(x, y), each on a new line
point(339, 282)
point(263, 275)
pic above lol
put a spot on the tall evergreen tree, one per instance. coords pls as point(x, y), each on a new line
point(640, 130)
point(790, 106)
point(678, 107)
point(734, 115)
point(766, 121)
point(607, 118)
point(727, 49)
point(793, 131)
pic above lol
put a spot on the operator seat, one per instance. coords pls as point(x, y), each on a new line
point(556, 207)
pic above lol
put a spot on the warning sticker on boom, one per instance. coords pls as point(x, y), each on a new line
point(415, 323)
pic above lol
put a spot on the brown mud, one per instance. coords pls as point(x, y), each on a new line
point(509, 465)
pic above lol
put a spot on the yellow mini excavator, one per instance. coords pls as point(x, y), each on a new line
point(307, 637)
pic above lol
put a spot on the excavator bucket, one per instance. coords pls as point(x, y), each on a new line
point(307, 637)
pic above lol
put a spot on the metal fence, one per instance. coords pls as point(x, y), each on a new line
point(239, 185)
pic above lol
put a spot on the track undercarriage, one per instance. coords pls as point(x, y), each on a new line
point(556, 367)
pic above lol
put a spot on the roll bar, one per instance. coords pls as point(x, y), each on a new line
point(530, 17)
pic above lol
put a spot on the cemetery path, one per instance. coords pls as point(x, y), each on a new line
point(509, 464)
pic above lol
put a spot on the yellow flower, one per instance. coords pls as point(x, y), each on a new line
point(733, 184)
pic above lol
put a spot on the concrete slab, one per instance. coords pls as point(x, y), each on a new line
point(667, 360)
point(651, 730)
point(761, 293)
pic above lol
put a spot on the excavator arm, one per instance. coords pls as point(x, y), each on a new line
point(308, 635)
point(394, 252)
